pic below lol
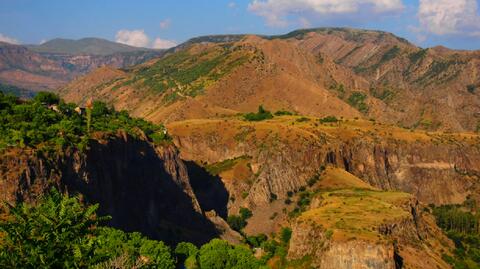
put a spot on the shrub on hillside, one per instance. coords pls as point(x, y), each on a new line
point(283, 113)
point(328, 119)
point(471, 88)
point(262, 114)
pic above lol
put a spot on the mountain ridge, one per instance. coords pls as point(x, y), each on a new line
point(25, 68)
point(87, 45)
point(363, 73)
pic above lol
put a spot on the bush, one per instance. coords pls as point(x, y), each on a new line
point(283, 113)
point(185, 250)
point(58, 233)
point(328, 119)
point(262, 114)
point(245, 213)
point(471, 88)
point(302, 119)
point(218, 254)
point(236, 222)
point(285, 235)
point(357, 100)
point(256, 241)
point(47, 98)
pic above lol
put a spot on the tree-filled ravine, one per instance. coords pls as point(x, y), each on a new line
point(461, 223)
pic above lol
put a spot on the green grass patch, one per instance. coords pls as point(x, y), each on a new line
point(216, 169)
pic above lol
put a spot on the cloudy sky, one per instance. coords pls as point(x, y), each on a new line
point(164, 23)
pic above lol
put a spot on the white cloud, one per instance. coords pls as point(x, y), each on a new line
point(276, 11)
point(136, 38)
point(165, 24)
point(446, 17)
point(11, 40)
point(159, 43)
point(232, 5)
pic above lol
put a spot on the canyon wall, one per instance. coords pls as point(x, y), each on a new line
point(143, 187)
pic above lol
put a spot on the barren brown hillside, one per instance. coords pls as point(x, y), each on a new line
point(343, 72)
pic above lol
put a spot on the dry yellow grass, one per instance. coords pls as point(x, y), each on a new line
point(239, 172)
point(336, 178)
point(290, 130)
point(356, 214)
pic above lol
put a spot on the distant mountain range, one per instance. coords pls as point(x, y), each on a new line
point(56, 62)
point(90, 46)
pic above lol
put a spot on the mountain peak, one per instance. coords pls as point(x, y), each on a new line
point(89, 45)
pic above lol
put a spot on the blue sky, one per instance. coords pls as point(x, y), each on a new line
point(162, 23)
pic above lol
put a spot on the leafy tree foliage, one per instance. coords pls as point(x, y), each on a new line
point(36, 123)
point(47, 98)
point(58, 233)
point(262, 114)
point(357, 100)
point(329, 119)
point(285, 235)
point(283, 113)
point(135, 248)
point(256, 240)
point(462, 226)
point(62, 233)
point(238, 222)
point(218, 254)
point(471, 88)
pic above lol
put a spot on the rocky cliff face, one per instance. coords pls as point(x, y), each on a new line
point(437, 169)
point(143, 187)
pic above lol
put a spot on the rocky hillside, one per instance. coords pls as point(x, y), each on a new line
point(347, 188)
point(317, 72)
point(49, 66)
point(351, 192)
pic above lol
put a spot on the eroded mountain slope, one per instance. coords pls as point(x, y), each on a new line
point(317, 72)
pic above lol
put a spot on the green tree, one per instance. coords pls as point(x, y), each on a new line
point(47, 98)
point(58, 233)
point(262, 114)
point(218, 254)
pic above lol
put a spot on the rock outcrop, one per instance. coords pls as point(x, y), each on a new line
point(389, 231)
point(435, 168)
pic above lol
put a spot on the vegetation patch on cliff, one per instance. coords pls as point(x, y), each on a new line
point(188, 72)
point(462, 225)
point(47, 121)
